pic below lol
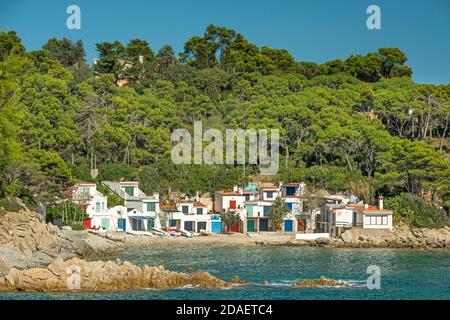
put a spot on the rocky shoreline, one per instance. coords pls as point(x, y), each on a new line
point(27, 242)
point(99, 276)
point(401, 237)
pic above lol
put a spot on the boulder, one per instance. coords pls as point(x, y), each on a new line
point(347, 237)
point(79, 275)
point(26, 241)
point(323, 241)
point(321, 282)
point(236, 280)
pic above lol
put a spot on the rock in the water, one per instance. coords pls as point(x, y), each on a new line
point(237, 280)
point(79, 275)
point(265, 282)
point(321, 282)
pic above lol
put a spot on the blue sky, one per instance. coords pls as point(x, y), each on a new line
point(314, 30)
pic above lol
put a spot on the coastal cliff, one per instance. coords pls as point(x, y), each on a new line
point(98, 276)
point(27, 242)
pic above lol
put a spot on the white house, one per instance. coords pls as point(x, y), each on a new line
point(143, 212)
point(225, 200)
point(85, 194)
point(190, 216)
point(343, 216)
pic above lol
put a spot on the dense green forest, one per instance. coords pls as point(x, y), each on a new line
point(359, 124)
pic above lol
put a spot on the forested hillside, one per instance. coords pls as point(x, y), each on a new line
point(359, 124)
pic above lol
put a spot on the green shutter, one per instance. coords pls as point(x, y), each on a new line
point(151, 206)
point(97, 206)
point(150, 224)
point(249, 211)
point(250, 225)
point(129, 191)
point(105, 224)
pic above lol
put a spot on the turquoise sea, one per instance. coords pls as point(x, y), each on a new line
point(405, 274)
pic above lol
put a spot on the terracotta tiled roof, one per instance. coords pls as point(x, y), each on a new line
point(199, 204)
point(369, 209)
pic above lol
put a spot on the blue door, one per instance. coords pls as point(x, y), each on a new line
point(189, 226)
point(216, 227)
point(122, 224)
point(264, 225)
point(288, 226)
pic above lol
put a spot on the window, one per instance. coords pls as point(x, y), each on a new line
point(185, 209)
point(247, 197)
point(86, 191)
point(290, 191)
point(103, 205)
point(269, 194)
point(379, 220)
point(97, 206)
point(129, 191)
point(199, 210)
point(384, 220)
point(151, 206)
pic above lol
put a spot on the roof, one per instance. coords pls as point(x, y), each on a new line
point(369, 209)
point(258, 201)
point(116, 187)
point(85, 184)
point(228, 193)
point(291, 184)
point(199, 204)
point(168, 207)
point(129, 182)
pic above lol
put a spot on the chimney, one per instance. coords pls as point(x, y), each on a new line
point(235, 188)
point(197, 197)
point(366, 206)
point(380, 203)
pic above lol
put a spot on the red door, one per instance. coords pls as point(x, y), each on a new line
point(232, 204)
point(87, 224)
point(301, 225)
point(234, 228)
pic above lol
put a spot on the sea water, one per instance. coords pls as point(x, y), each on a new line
point(405, 274)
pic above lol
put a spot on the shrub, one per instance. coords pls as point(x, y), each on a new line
point(10, 205)
point(77, 226)
point(416, 212)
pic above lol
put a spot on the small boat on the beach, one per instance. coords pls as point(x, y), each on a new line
point(186, 233)
point(204, 232)
point(174, 233)
point(159, 232)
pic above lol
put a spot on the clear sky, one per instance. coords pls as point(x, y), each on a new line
point(313, 30)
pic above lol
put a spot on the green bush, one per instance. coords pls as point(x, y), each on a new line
point(10, 205)
point(416, 212)
point(77, 226)
point(71, 212)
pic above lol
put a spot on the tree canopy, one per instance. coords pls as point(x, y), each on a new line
point(359, 122)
